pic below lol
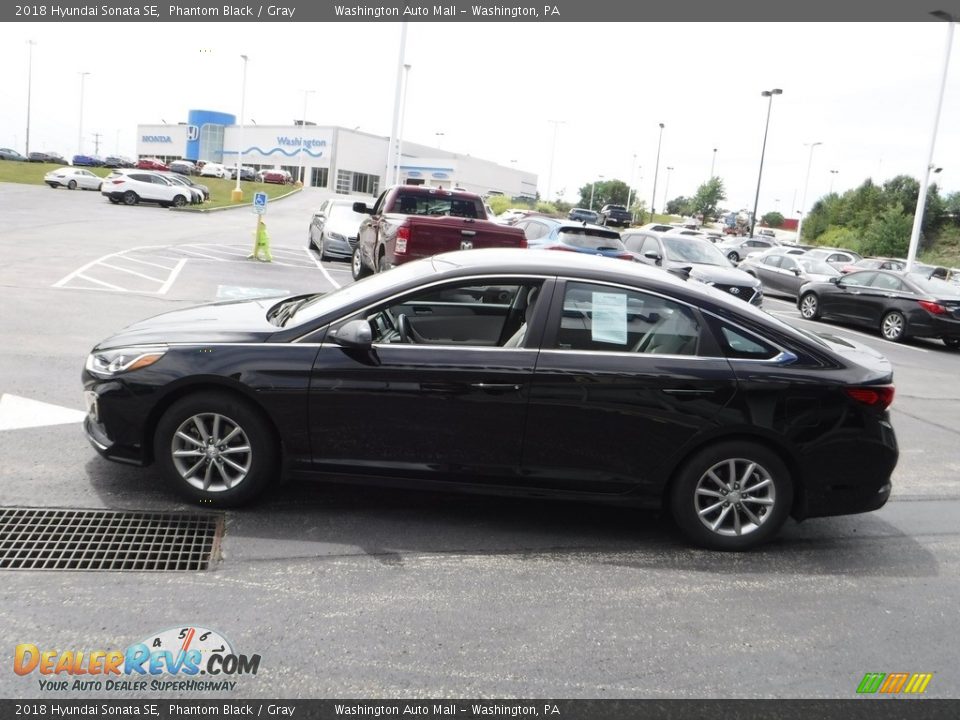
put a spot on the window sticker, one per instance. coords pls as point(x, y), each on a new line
point(609, 318)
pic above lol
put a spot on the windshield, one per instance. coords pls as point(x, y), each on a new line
point(345, 213)
point(373, 286)
point(693, 250)
point(816, 267)
point(592, 240)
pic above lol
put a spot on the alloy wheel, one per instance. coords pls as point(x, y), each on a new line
point(211, 452)
point(735, 497)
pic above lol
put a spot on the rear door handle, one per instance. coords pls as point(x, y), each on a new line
point(496, 387)
point(687, 392)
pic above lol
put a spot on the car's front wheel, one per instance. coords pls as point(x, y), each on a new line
point(179, 201)
point(893, 326)
point(951, 342)
point(733, 257)
point(810, 307)
point(732, 496)
point(357, 268)
point(215, 448)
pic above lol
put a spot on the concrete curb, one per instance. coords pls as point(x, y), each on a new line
point(234, 207)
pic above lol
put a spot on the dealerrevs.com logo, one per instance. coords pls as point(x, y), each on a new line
point(199, 659)
point(894, 683)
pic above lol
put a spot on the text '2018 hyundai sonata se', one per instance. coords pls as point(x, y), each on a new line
point(511, 372)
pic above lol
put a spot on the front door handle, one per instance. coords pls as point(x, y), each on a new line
point(496, 387)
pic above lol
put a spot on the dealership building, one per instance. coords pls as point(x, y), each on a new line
point(333, 158)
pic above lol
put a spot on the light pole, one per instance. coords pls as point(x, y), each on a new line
point(391, 149)
point(30, 43)
point(403, 116)
point(83, 78)
point(553, 153)
point(237, 194)
point(303, 132)
point(833, 174)
point(633, 171)
point(756, 200)
point(666, 188)
point(656, 170)
point(803, 198)
point(592, 188)
point(922, 197)
point(713, 163)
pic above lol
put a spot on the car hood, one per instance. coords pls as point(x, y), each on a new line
point(233, 321)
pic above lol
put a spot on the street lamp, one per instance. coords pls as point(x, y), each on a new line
point(30, 43)
point(833, 174)
point(553, 153)
point(656, 170)
point(403, 116)
point(592, 188)
point(237, 194)
point(633, 170)
point(713, 163)
point(391, 150)
point(803, 198)
point(83, 78)
point(666, 188)
point(303, 128)
point(922, 197)
point(756, 200)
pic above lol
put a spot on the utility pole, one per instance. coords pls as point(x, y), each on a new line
point(96, 143)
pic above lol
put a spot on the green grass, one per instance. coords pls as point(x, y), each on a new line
point(220, 190)
point(946, 249)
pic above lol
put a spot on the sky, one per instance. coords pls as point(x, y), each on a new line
point(867, 92)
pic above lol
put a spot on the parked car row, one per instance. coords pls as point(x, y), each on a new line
point(133, 186)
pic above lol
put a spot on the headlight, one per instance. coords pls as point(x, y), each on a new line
point(122, 360)
point(337, 236)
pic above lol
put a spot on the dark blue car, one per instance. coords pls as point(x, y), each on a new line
point(546, 233)
point(87, 161)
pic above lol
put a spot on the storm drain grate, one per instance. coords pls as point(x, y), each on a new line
point(60, 539)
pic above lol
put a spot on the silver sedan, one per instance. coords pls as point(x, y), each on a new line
point(73, 178)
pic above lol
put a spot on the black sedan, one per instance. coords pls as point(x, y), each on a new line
point(899, 305)
point(511, 372)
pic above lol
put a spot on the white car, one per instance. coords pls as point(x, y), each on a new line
point(73, 178)
point(132, 186)
point(214, 170)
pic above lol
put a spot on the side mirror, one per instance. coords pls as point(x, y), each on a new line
point(653, 255)
point(797, 271)
point(359, 207)
point(836, 281)
point(355, 334)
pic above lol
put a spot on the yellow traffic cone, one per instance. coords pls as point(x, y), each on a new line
point(261, 245)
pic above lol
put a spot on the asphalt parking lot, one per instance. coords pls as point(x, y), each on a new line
point(358, 592)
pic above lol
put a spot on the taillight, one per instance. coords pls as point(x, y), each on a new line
point(116, 182)
point(523, 242)
point(403, 235)
point(626, 256)
point(878, 396)
point(932, 307)
point(560, 247)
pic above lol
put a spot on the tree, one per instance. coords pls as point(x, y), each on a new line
point(772, 219)
point(678, 206)
point(605, 192)
point(707, 199)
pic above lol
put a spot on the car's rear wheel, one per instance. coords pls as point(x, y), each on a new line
point(893, 326)
point(733, 257)
point(215, 448)
point(72, 185)
point(810, 307)
point(130, 198)
point(179, 201)
point(732, 496)
point(357, 268)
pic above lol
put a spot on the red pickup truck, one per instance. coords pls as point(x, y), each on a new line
point(409, 222)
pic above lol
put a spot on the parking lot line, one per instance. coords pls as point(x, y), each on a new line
point(319, 264)
point(145, 262)
point(173, 276)
point(99, 282)
point(132, 272)
point(76, 273)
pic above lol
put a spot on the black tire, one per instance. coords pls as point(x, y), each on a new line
point(382, 264)
point(179, 201)
point(697, 499)
point(130, 198)
point(323, 247)
point(252, 450)
point(733, 257)
point(113, 200)
point(893, 326)
point(357, 268)
point(72, 185)
point(951, 342)
point(809, 306)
